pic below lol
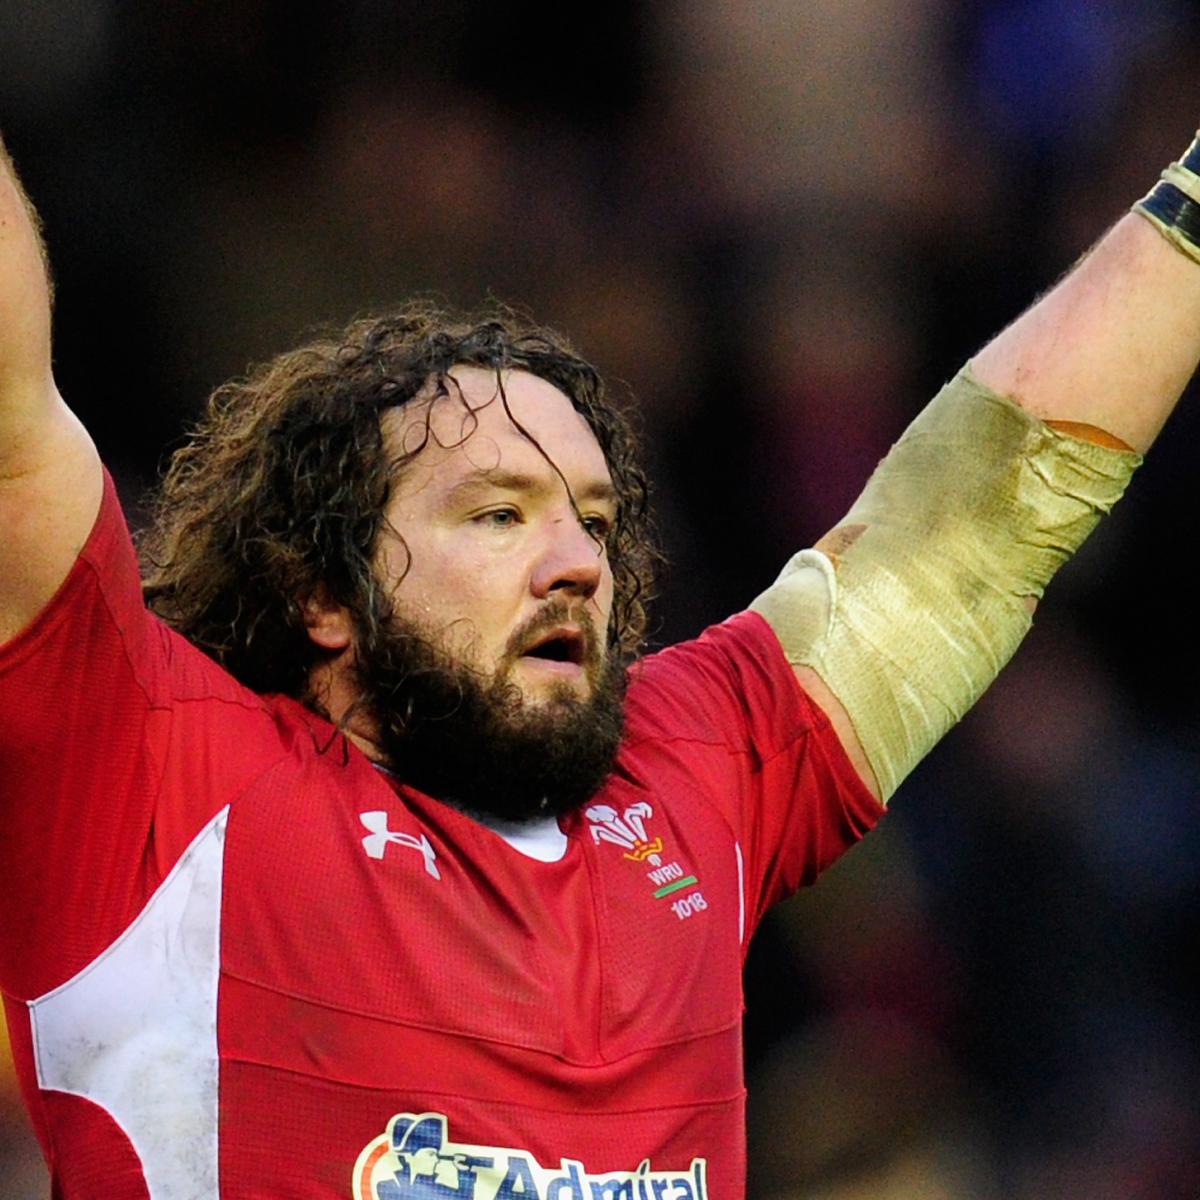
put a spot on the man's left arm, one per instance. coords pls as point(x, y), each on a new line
point(1113, 345)
point(906, 611)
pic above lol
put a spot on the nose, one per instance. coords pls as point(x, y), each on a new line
point(570, 563)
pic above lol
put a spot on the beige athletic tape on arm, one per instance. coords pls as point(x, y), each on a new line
point(971, 512)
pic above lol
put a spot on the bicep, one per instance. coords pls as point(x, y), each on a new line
point(822, 696)
point(50, 476)
point(909, 609)
point(51, 483)
point(25, 375)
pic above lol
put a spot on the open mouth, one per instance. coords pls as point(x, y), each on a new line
point(564, 646)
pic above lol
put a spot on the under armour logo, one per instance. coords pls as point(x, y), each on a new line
point(377, 841)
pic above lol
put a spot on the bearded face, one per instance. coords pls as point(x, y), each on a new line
point(477, 741)
point(490, 685)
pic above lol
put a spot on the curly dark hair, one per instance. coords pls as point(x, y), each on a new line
point(281, 488)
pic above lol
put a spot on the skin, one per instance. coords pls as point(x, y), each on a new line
point(1110, 346)
point(483, 537)
point(50, 475)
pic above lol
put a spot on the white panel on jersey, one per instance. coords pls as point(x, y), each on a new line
point(135, 1032)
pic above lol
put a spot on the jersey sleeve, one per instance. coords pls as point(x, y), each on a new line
point(758, 748)
point(94, 716)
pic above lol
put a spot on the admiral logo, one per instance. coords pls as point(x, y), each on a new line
point(380, 837)
point(414, 1161)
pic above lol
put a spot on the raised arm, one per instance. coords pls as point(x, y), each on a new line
point(1113, 345)
point(902, 615)
point(50, 477)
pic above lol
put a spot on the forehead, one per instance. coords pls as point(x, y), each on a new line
point(475, 427)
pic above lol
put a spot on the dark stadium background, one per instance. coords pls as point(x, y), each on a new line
point(782, 225)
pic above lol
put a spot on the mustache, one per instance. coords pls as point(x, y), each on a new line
point(555, 614)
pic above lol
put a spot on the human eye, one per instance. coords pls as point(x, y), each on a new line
point(498, 518)
point(596, 526)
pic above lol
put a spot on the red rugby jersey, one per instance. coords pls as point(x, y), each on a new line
point(240, 962)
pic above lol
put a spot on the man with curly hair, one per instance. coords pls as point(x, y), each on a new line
point(295, 524)
point(353, 850)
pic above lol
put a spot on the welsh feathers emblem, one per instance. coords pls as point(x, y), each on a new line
point(627, 830)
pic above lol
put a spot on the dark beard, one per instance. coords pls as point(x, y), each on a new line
point(471, 741)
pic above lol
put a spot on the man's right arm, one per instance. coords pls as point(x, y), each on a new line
point(50, 475)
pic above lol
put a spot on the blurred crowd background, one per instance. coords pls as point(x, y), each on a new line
point(780, 226)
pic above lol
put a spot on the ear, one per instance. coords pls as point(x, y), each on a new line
point(328, 622)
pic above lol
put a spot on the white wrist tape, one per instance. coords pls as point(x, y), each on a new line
point(925, 598)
